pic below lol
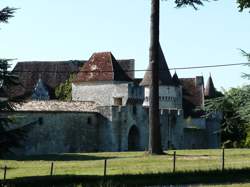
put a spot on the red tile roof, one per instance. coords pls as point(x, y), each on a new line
point(102, 67)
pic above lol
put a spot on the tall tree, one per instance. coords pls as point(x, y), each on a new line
point(9, 136)
point(154, 118)
point(235, 108)
point(234, 124)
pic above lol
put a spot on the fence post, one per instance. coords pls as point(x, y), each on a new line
point(174, 160)
point(5, 173)
point(51, 169)
point(105, 167)
point(223, 159)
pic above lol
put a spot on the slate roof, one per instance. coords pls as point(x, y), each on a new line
point(40, 91)
point(165, 77)
point(102, 67)
point(176, 79)
point(210, 90)
point(128, 66)
point(51, 72)
point(193, 97)
point(58, 106)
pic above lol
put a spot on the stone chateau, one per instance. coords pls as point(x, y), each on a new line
point(109, 107)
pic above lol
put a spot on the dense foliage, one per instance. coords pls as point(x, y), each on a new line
point(234, 125)
point(243, 4)
point(64, 90)
point(235, 107)
point(9, 135)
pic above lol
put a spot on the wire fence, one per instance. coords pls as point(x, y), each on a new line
point(169, 163)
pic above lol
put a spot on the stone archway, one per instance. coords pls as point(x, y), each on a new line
point(133, 138)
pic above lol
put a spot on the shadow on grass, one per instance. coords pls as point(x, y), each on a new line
point(178, 178)
point(58, 157)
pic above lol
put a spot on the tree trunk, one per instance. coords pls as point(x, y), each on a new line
point(154, 117)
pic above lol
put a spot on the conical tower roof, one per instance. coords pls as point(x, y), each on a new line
point(176, 79)
point(165, 77)
point(210, 90)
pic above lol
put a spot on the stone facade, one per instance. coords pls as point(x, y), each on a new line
point(53, 132)
point(109, 112)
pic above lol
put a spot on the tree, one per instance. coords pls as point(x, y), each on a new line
point(235, 107)
point(154, 118)
point(243, 4)
point(6, 13)
point(9, 136)
point(234, 124)
point(64, 90)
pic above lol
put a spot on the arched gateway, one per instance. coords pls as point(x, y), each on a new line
point(133, 139)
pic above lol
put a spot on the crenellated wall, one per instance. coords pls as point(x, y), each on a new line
point(170, 97)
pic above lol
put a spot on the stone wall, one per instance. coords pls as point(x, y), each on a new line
point(195, 138)
point(171, 122)
point(123, 119)
point(103, 93)
point(61, 132)
point(213, 128)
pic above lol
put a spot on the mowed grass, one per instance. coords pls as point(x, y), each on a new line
point(121, 163)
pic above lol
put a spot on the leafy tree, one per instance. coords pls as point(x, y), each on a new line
point(243, 4)
point(9, 136)
point(64, 90)
point(234, 125)
point(154, 118)
point(235, 106)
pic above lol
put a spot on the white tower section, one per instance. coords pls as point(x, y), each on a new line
point(170, 91)
point(170, 97)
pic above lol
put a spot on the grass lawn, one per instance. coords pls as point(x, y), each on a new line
point(124, 163)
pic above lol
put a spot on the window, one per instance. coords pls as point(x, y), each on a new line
point(118, 101)
point(89, 120)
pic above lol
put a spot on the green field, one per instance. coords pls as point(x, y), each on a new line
point(124, 162)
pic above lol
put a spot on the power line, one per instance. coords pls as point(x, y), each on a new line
point(210, 66)
point(138, 70)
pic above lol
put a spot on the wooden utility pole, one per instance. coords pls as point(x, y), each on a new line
point(154, 117)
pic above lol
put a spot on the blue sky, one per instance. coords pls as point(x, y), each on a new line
point(68, 30)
